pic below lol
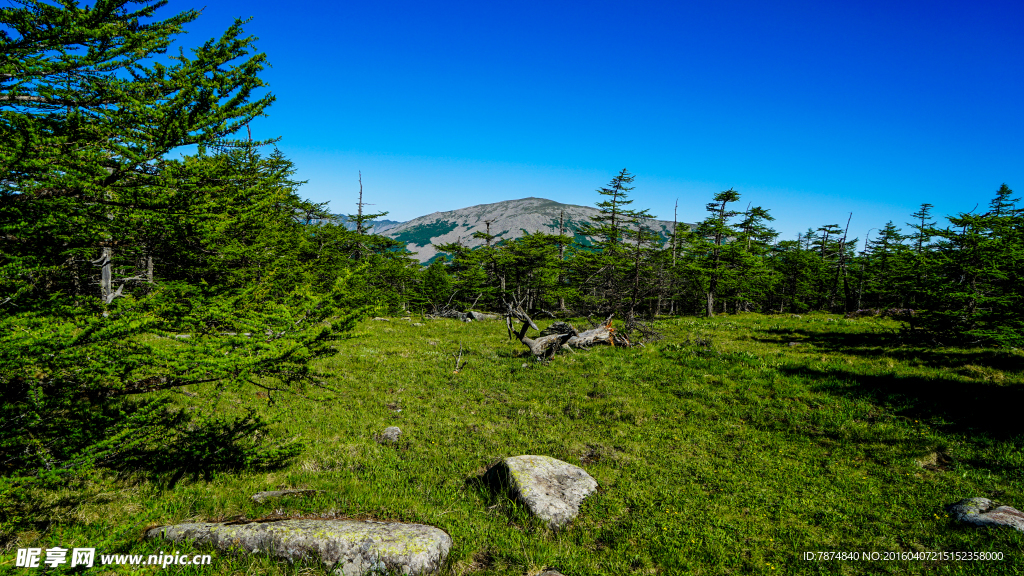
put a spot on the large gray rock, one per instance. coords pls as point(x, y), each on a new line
point(550, 488)
point(478, 316)
point(976, 511)
point(352, 548)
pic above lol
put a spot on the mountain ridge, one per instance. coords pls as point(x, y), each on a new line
point(508, 219)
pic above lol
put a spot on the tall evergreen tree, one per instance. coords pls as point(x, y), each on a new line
point(707, 241)
point(885, 260)
point(603, 268)
point(88, 117)
point(975, 295)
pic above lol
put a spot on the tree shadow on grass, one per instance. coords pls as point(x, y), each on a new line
point(203, 447)
point(898, 346)
point(177, 445)
point(971, 409)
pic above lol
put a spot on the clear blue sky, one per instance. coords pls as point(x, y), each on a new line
point(810, 109)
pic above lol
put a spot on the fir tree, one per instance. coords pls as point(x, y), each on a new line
point(707, 241)
point(604, 267)
point(975, 295)
point(88, 120)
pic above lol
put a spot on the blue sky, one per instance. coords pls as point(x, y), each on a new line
point(810, 109)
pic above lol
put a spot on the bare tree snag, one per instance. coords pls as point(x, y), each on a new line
point(542, 347)
point(517, 313)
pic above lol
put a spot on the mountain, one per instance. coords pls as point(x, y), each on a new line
point(509, 219)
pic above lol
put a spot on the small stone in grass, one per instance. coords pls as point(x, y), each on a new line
point(390, 434)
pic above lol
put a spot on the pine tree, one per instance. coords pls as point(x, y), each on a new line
point(88, 121)
point(974, 295)
point(885, 261)
point(614, 216)
point(747, 257)
point(707, 241)
point(88, 118)
point(642, 255)
point(797, 270)
point(361, 221)
point(607, 263)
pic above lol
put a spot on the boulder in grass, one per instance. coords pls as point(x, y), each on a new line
point(390, 434)
point(351, 548)
point(551, 489)
point(978, 511)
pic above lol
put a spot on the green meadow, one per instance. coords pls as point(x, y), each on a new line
point(732, 445)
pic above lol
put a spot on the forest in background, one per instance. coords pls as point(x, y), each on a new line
point(127, 273)
point(952, 283)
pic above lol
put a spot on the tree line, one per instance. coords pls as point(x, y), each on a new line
point(951, 284)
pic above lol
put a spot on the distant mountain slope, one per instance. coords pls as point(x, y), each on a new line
point(509, 219)
point(375, 226)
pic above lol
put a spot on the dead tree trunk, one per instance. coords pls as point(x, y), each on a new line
point(560, 334)
point(603, 334)
point(545, 346)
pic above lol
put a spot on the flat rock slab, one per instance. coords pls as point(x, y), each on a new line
point(550, 488)
point(352, 548)
point(261, 496)
point(978, 511)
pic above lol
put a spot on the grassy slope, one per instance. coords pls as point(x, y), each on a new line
point(728, 458)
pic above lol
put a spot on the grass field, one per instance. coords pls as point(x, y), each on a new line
point(720, 449)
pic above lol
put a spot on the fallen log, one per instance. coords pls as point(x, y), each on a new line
point(603, 334)
point(545, 346)
point(562, 335)
point(464, 316)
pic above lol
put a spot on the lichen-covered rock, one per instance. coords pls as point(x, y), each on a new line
point(390, 434)
point(551, 573)
point(935, 461)
point(551, 489)
point(352, 548)
point(261, 496)
point(977, 511)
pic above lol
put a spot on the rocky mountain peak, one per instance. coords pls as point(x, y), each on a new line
point(508, 219)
